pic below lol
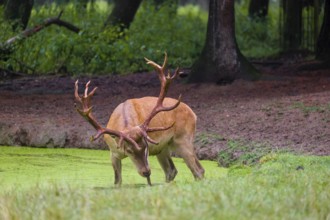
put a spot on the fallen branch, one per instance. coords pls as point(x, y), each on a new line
point(29, 32)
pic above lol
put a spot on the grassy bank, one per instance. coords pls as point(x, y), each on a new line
point(77, 184)
point(25, 167)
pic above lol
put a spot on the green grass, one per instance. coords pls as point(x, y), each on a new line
point(311, 108)
point(25, 167)
point(77, 184)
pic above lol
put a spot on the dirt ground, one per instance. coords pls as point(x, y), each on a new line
point(288, 109)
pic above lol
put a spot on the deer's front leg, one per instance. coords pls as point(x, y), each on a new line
point(165, 161)
point(116, 164)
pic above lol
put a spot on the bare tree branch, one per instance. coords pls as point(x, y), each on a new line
point(31, 31)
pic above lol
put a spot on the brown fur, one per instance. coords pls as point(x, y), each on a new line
point(179, 138)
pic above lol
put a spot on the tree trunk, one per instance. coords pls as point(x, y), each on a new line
point(18, 11)
point(292, 33)
point(323, 41)
point(123, 13)
point(221, 60)
point(83, 3)
point(172, 3)
point(2, 2)
point(258, 9)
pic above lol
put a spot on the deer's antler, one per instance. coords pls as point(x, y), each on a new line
point(86, 112)
point(165, 82)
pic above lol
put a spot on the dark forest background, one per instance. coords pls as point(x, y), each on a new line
point(216, 40)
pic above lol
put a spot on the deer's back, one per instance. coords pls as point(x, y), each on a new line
point(133, 112)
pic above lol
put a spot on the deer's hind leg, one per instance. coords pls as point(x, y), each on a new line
point(184, 147)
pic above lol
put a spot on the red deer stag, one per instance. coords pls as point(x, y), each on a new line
point(144, 126)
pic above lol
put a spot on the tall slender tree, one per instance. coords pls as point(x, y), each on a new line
point(18, 11)
point(221, 60)
point(123, 13)
point(171, 4)
point(323, 42)
point(258, 9)
point(292, 27)
point(83, 3)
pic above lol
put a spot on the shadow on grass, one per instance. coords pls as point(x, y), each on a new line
point(126, 186)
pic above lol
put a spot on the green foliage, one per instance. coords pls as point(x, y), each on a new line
point(6, 33)
point(242, 153)
point(98, 51)
point(286, 187)
point(257, 38)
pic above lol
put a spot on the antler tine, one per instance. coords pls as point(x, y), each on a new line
point(165, 61)
point(76, 94)
point(152, 63)
point(119, 134)
point(158, 68)
point(86, 88)
point(160, 128)
point(176, 73)
point(86, 112)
